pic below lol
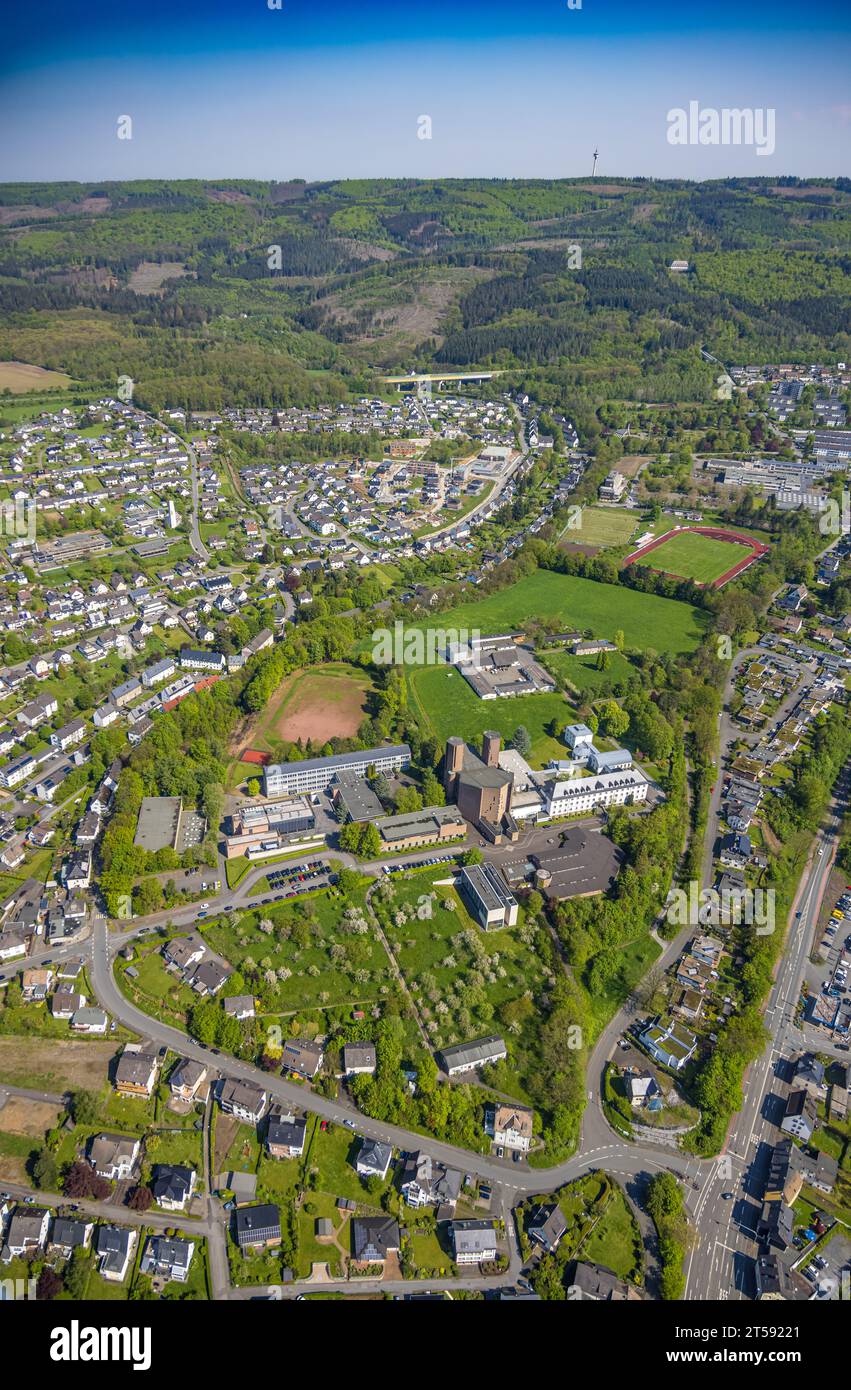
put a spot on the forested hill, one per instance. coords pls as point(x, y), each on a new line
point(238, 291)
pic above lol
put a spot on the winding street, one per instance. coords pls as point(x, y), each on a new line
point(721, 1258)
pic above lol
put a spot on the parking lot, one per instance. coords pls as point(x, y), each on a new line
point(299, 878)
point(830, 981)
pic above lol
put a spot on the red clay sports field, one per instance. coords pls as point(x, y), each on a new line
point(754, 550)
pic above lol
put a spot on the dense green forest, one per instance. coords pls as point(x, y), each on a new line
point(273, 294)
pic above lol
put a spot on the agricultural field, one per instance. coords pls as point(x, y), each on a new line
point(19, 377)
point(576, 603)
point(52, 1064)
point(23, 1125)
point(600, 527)
point(692, 556)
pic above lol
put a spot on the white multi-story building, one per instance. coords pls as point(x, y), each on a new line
point(582, 794)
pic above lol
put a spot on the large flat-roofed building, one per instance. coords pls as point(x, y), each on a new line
point(468, 1056)
point(613, 487)
point(276, 823)
point(158, 825)
point(317, 774)
point(586, 862)
point(431, 825)
point(354, 799)
point(501, 666)
point(79, 545)
point(488, 897)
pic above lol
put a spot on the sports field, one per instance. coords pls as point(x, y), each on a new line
point(600, 527)
point(318, 704)
point(574, 603)
point(692, 556)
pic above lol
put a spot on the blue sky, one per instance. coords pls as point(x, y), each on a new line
point(318, 90)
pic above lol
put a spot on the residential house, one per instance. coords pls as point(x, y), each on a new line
point(35, 985)
point(546, 1226)
point(136, 1071)
point(188, 1081)
point(374, 1238)
point(374, 1159)
point(182, 952)
point(670, 1043)
point(359, 1059)
point(775, 1281)
point(240, 1006)
point(466, 1057)
point(511, 1126)
point(209, 977)
point(473, 1241)
point(801, 1117)
point(596, 1282)
point(429, 1183)
point(167, 1258)
point(90, 1021)
point(809, 1074)
point(27, 1231)
point(242, 1099)
point(642, 1087)
point(114, 1246)
point(257, 1228)
point(285, 1135)
point(65, 1003)
point(173, 1186)
point(69, 1234)
point(114, 1156)
point(303, 1057)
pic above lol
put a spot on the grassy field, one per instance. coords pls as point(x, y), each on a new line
point(575, 603)
point(600, 527)
point(582, 671)
point(328, 967)
point(447, 704)
point(54, 1065)
point(696, 557)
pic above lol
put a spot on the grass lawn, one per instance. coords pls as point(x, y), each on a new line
point(582, 671)
point(601, 526)
point(573, 602)
point(616, 1240)
point(244, 1152)
point(428, 1255)
point(177, 1146)
point(696, 557)
point(449, 706)
point(155, 990)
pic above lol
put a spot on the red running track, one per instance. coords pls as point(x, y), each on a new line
point(715, 533)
